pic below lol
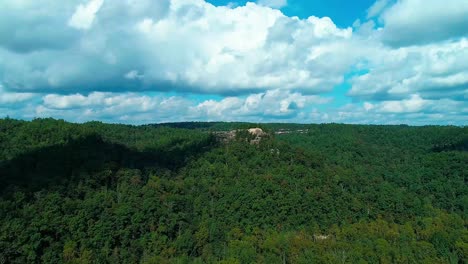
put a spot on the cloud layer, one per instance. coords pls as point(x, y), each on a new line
point(100, 59)
point(125, 107)
point(185, 45)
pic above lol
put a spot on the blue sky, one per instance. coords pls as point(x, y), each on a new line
point(343, 13)
point(146, 61)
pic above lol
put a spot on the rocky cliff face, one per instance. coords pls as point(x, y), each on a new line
point(225, 136)
point(258, 133)
point(255, 135)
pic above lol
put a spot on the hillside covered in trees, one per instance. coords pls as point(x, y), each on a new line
point(173, 193)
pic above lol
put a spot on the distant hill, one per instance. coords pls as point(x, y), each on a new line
point(173, 193)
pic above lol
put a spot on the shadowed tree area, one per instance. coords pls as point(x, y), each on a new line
point(99, 193)
point(58, 166)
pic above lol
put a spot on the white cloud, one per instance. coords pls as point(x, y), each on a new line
point(413, 110)
point(99, 59)
point(84, 15)
point(272, 104)
point(12, 98)
point(409, 22)
point(377, 8)
point(158, 108)
point(187, 45)
point(9, 98)
point(273, 3)
point(113, 107)
point(434, 71)
point(414, 104)
point(117, 103)
point(27, 26)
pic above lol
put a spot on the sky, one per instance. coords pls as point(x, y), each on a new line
point(302, 61)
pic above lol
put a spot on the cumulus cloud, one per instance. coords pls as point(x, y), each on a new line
point(112, 107)
point(84, 15)
point(97, 59)
point(111, 102)
point(272, 104)
point(414, 104)
point(180, 45)
point(410, 22)
point(434, 71)
point(9, 98)
point(27, 26)
point(377, 8)
point(413, 110)
point(119, 106)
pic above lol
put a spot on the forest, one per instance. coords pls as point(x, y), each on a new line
point(175, 193)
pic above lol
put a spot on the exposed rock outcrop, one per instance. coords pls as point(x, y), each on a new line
point(227, 136)
point(258, 133)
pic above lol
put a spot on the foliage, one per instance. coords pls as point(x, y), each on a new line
point(100, 193)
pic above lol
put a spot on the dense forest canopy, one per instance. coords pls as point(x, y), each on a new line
point(173, 193)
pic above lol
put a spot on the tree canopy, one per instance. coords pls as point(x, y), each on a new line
point(172, 193)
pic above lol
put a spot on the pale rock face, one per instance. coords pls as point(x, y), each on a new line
point(227, 136)
point(256, 131)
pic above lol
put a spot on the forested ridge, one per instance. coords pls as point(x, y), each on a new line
point(173, 193)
